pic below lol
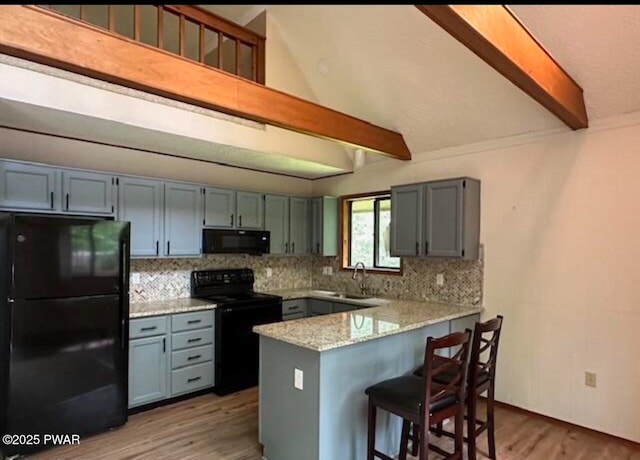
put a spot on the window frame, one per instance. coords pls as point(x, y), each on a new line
point(345, 232)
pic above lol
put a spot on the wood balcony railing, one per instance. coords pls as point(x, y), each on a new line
point(185, 30)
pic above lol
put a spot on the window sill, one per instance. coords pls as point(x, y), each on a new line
point(378, 271)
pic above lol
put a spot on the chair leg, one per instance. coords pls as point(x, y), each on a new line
point(491, 431)
point(424, 440)
point(404, 440)
point(415, 439)
point(471, 425)
point(459, 441)
point(439, 429)
point(371, 436)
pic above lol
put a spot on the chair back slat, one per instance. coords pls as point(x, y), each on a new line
point(455, 365)
point(486, 338)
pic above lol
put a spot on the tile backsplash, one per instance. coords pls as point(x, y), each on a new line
point(462, 280)
point(163, 279)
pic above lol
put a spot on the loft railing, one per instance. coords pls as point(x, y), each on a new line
point(185, 30)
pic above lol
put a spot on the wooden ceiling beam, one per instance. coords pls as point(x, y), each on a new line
point(43, 36)
point(495, 34)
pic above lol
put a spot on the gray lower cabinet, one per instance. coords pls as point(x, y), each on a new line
point(140, 201)
point(406, 220)
point(436, 219)
point(219, 208)
point(87, 192)
point(148, 360)
point(250, 210)
point(170, 355)
point(294, 309)
point(28, 187)
point(324, 226)
point(182, 219)
point(299, 220)
point(276, 221)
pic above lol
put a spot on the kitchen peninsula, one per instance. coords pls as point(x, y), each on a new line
point(313, 373)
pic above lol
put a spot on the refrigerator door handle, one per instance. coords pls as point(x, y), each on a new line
point(123, 293)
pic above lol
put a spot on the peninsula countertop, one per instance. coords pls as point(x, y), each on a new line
point(168, 307)
point(322, 333)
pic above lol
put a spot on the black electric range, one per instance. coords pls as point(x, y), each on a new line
point(239, 310)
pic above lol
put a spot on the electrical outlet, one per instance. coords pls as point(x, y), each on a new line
point(329, 270)
point(298, 378)
point(135, 278)
point(440, 279)
point(269, 272)
point(590, 379)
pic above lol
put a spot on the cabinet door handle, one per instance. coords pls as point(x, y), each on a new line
point(240, 221)
point(150, 328)
point(194, 379)
point(286, 248)
point(293, 247)
point(191, 358)
point(426, 247)
point(157, 247)
point(168, 247)
point(67, 208)
point(417, 248)
point(232, 220)
point(52, 205)
point(194, 321)
point(294, 308)
point(318, 248)
point(164, 345)
point(194, 340)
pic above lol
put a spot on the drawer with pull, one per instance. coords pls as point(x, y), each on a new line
point(294, 306)
point(191, 356)
point(190, 321)
point(191, 378)
point(147, 327)
point(182, 340)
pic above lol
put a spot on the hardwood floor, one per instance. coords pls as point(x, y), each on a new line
point(215, 428)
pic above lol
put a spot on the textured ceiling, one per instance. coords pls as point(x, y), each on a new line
point(599, 45)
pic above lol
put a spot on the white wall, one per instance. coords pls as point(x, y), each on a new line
point(560, 228)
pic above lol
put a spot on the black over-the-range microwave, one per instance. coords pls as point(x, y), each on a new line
point(220, 241)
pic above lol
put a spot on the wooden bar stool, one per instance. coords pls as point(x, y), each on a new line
point(424, 402)
point(481, 378)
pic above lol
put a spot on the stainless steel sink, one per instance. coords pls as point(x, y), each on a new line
point(337, 295)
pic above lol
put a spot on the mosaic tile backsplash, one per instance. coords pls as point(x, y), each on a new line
point(164, 279)
point(462, 280)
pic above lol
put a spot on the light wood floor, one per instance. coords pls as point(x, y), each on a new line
point(215, 428)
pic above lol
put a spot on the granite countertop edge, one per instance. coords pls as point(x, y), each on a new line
point(149, 308)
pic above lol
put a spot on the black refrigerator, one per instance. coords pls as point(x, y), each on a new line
point(64, 322)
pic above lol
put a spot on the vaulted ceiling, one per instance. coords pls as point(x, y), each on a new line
point(393, 66)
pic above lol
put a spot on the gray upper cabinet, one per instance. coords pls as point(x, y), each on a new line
point(29, 187)
point(148, 370)
point(299, 223)
point(140, 202)
point(452, 218)
point(182, 219)
point(276, 217)
point(87, 192)
point(249, 209)
point(219, 208)
point(436, 219)
point(324, 226)
point(406, 220)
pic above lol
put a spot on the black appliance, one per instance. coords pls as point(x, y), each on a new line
point(216, 241)
point(64, 321)
point(239, 308)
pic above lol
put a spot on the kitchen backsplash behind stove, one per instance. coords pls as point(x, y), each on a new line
point(164, 279)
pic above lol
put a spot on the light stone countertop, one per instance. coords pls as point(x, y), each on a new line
point(168, 307)
point(290, 294)
point(326, 332)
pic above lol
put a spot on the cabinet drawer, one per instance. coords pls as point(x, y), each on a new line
point(191, 339)
point(147, 327)
point(291, 316)
point(191, 356)
point(191, 378)
point(189, 321)
point(293, 306)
